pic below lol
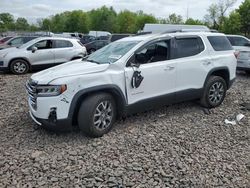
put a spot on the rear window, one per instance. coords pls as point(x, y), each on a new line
point(189, 46)
point(220, 43)
point(62, 44)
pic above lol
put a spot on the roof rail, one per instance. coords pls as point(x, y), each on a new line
point(184, 30)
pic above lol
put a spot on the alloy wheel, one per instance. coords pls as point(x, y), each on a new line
point(103, 115)
point(216, 93)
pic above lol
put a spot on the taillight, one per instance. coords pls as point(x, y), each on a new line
point(236, 54)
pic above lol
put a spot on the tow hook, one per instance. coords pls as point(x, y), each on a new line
point(52, 115)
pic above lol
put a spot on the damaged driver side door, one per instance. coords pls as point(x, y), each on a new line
point(150, 73)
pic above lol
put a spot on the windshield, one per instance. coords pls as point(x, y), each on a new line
point(112, 52)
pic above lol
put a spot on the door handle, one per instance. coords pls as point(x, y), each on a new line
point(167, 68)
point(207, 63)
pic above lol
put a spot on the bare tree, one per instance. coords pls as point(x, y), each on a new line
point(216, 12)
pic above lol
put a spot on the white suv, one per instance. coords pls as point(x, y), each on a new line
point(131, 75)
point(40, 53)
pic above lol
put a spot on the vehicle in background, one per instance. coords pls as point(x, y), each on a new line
point(40, 53)
point(99, 33)
point(87, 39)
point(243, 60)
point(117, 36)
point(17, 41)
point(239, 42)
point(242, 45)
point(4, 39)
point(159, 28)
point(95, 45)
point(130, 75)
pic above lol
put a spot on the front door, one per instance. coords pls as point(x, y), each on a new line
point(157, 70)
point(43, 55)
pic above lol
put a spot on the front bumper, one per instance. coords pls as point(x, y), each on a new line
point(4, 69)
point(61, 125)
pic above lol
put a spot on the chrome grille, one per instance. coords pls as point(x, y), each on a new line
point(31, 90)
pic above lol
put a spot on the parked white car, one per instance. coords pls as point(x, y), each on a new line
point(40, 53)
point(130, 75)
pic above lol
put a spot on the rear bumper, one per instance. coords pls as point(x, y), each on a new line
point(61, 125)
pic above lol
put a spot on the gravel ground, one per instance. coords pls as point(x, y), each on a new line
point(175, 146)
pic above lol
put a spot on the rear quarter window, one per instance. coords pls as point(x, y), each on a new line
point(220, 43)
point(189, 46)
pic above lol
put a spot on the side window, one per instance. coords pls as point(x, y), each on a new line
point(188, 47)
point(62, 44)
point(27, 39)
point(220, 43)
point(44, 44)
point(16, 41)
point(158, 51)
point(240, 41)
point(231, 40)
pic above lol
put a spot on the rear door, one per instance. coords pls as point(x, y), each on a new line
point(193, 64)
point(63, 51)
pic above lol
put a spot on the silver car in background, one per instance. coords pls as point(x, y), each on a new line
point(241, 45)
point(40, 53)
point(243, 60)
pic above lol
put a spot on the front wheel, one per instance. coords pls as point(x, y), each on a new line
point(97, 114)
point(19, 66)
point(214, 92)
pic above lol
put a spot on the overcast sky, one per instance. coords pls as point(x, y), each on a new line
point(33, 9)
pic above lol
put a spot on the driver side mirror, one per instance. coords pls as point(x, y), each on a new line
point(33, 49)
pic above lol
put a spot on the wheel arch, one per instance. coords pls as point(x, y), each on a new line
point(22, 58)
point(220, 71)
point(113, 90)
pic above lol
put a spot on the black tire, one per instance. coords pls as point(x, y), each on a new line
point(88, 114)
point(214, 92)
point(19, 66)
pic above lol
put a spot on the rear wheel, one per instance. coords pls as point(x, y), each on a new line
point(214, 92)
point(97, 114)
point(19, 66)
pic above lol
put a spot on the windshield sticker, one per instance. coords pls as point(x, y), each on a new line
point(114, 56)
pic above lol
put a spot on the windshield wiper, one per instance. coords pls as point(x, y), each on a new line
point(92, 61)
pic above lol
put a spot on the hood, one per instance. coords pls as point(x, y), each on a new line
point(4, 46)
point(72, 68)
point(7, 49)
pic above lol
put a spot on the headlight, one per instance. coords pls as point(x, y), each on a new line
point(47, 91)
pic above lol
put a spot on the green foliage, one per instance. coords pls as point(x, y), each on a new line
point(103, 19)
point(6, 22)
point(107, 19)
point(191, 21)
point(174, 19)
point(232, 24)
point(244, 12)
point(126, 22)
point(22, 24)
